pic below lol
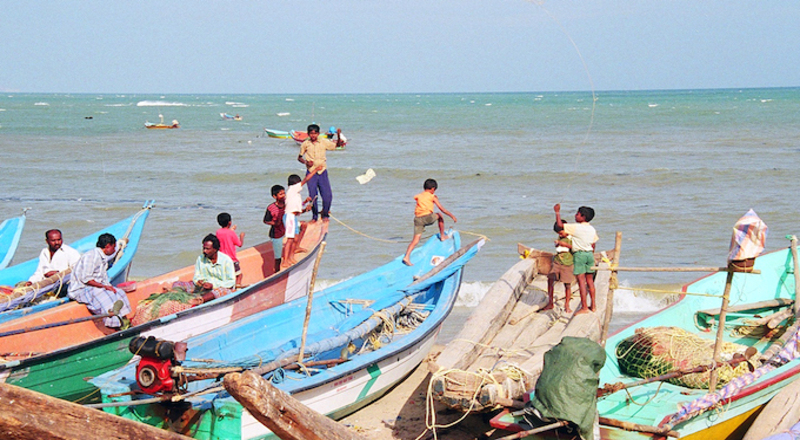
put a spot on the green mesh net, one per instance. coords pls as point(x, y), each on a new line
point(655, 351)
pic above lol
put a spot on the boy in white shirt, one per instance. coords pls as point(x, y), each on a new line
point(294, 207)
point(584, 238)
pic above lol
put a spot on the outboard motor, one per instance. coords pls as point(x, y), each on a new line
point(153, 373)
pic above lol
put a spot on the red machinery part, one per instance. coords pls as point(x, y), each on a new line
point(153, 375)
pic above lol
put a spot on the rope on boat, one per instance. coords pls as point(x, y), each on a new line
point(382, 240)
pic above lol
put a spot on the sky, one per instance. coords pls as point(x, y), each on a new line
point(386, 46)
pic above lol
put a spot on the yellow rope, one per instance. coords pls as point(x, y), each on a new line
point(363, 234)
point(671, 292)
point(396, 241)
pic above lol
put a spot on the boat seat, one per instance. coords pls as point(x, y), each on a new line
point(707, 318)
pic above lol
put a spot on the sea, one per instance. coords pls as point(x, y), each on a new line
point(671, 171)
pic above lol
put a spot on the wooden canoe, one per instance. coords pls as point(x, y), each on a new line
point(277, 134)
point(651, 410)
point(357, 347)
point(10, 232)
point(56, 361)
point(779, 415)
point(497, 356)
point(21, 301)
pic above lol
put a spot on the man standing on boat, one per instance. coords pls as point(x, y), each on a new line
point(89, 284)
point(312, 155)
point(56, 257)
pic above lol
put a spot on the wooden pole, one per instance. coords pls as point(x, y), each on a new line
point(56, 324)
point(628, 426)
point(796, 275)
point(544, 428)
point(284, 415)
point(28, 415)
point(712, 380)
point(610, 297)
point(678, 269)
point(310, 297)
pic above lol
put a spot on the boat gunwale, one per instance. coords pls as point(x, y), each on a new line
point(224, 301)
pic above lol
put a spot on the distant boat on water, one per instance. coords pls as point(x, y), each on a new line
point(228, 117)
point(161, 125)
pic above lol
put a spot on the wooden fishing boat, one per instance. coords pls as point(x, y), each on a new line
point(57, 360)
point(656, 408)
point(364, 335)
point(161, 125)
point(497, 356)
point(10, 232)
point(302, 136)
point(277, 134)
point(230, 117)
point(152, 125)
point(20, 301)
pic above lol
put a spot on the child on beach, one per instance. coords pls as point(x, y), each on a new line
point(294, 207)
point(273, 217)
point(561, 269)
point(229, 241)
point(425, 216)
point(584, 238)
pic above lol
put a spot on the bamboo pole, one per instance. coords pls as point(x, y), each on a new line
point(628, 426)
point(310, 300)
point(679, 269)
point(712, 381)
point(56, 324)
point(796, 275)
point(610, 297)
point(544, 428)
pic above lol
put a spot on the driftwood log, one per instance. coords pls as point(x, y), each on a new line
point(28, 415)
point(284, 415)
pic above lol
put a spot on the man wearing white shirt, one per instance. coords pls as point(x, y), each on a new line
point(56, 257)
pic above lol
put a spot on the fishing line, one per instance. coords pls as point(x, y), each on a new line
point(540, 3)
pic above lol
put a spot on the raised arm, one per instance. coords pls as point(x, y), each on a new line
point(444, 211)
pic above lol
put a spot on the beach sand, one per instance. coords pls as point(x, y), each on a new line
point(400, 414)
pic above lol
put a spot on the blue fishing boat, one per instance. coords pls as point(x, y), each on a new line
point(672, 348)
point(15, 304)
point(10, 231)
point(363, 336)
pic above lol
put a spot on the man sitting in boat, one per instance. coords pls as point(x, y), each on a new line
point(89, 284)
point(214, 277)
point(55, 258)
point(214, 274)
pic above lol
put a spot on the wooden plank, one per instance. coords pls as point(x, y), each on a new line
point(284, 415)
point(769, 304)
point(779, 415)
point(487, 319)
point(28, 415)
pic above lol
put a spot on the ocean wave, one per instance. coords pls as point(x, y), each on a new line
point(117, 105)
point(41, 103)
point(160, 104)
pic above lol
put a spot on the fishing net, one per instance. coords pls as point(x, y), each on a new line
point(655, 351)
point(162, 304)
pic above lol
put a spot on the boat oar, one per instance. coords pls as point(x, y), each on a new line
point(611, 388)
point(56, 324)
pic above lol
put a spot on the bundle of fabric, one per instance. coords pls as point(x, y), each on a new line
point(655, 351)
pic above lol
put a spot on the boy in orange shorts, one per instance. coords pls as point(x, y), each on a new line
point(425, 216)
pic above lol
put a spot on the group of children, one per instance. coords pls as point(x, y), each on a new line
point(572, 262)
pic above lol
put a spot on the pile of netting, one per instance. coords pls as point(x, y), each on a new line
point(655, 351)
point(162, 304)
